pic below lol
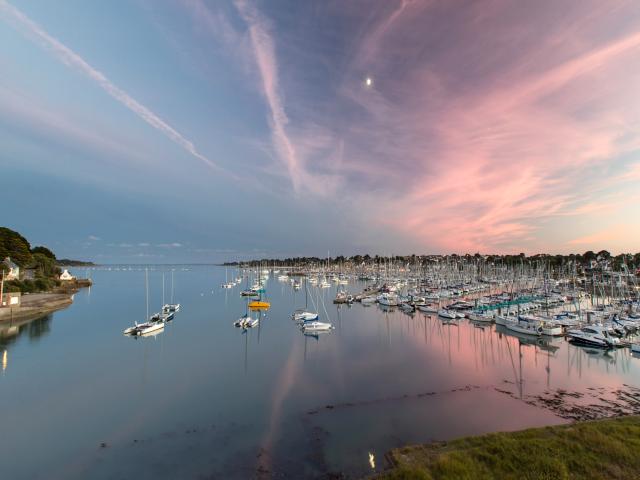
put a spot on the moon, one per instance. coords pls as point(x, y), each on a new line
point(368, 81)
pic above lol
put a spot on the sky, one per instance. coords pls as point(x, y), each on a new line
point(201, 131)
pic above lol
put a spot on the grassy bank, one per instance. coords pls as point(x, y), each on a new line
point(587, 450)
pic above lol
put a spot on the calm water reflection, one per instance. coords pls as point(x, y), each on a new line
point(203, 400)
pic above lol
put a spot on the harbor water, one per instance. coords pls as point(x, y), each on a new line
point(203, 399)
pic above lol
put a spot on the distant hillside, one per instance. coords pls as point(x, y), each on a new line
point(66, 262)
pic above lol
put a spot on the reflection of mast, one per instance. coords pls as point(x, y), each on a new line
point(306, 337)
point(4, 360)
point(246, 350)
point(520, 360)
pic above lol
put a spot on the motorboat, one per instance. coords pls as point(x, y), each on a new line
point(249, 293)
point(593, 336)
point(368, 300)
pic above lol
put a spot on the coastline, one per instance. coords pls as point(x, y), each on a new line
point(35, 305)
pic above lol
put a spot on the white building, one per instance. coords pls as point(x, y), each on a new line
point(66, 276)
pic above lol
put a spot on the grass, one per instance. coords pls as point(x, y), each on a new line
point(601, 449)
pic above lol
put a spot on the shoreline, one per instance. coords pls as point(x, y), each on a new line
point(35, 305)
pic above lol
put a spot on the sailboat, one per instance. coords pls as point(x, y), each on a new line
point(304, 315)
point(259, 303)
point(227, 283)
point(171, 307)
point(155, 322)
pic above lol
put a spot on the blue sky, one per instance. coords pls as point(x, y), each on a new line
point(196, 131)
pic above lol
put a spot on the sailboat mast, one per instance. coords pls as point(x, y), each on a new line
point(146, 289)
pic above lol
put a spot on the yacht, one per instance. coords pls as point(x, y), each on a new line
point(593, 336)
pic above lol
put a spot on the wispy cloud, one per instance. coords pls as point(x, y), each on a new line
point(93, 238)
point(263, 48)
point(73, 60)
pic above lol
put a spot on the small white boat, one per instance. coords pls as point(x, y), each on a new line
point(171, 308)
point(252, 322)
point(389, 299)
point(316, 326)
point(444, 313)
point(427, 308)
point(151, 327)
point(368, 300)
point(304, 316)
point(484, 317)
point(242, 321)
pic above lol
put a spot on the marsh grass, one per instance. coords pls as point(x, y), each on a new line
point(601, 449)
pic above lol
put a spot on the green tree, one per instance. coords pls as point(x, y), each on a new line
point(14, 245)
point(44, 251)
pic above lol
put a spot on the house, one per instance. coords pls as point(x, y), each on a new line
point(28, 274)
point(66, 276)
point(13, 272)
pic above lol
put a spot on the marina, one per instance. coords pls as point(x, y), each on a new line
point(239, 389)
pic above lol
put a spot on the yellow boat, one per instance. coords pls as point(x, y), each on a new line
point(259, 304)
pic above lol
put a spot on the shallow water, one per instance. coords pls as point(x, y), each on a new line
point(204, 400)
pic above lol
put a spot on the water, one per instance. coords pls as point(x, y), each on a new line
point(204, 400)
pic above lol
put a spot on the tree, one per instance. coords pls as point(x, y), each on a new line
point(45, 266)
point(44, 251)
point(14, 245)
